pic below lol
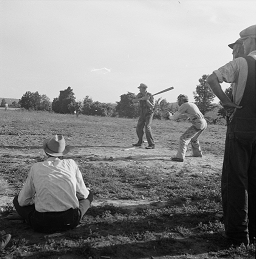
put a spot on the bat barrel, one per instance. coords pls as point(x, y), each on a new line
point(165, 90)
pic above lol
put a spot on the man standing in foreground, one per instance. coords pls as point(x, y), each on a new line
point(146, 101)
point(238, 183)
point(54, 196)
point(199, 124)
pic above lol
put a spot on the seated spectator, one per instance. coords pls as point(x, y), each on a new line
point(54, 196)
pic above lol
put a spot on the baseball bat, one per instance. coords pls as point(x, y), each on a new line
point(163, 91)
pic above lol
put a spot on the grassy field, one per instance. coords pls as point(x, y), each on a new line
point(145, 206)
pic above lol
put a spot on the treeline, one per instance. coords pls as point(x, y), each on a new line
point(66, 103)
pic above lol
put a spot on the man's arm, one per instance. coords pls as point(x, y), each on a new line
point(138, 98)
point(81, 190)
point(175, 116)
point(214, 84)
point(148, 98)
point(27, 193)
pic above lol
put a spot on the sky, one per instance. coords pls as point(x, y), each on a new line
point(106, 48)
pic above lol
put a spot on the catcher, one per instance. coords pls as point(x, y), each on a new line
point(199, 124)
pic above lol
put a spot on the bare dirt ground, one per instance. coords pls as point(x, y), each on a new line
point(103, 143)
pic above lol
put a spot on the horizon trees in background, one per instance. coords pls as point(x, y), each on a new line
point(35, 101)
point(126, 108)
point(66, 103)
point(3, 102)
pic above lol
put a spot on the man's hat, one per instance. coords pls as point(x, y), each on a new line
point(142, 86)
point(248, 32)
point(239, 41)
point(56, 146)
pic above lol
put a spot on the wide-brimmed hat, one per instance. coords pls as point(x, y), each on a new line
point(239, 41)
point(56, 146)
point(248, 32)
point(142, 86)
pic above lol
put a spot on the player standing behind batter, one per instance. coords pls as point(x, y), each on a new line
point(146, 101)
point(191, 111)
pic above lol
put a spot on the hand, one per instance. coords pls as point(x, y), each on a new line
point(144, 98)
point(90, 196)
point(231, 105)
point(168, 114)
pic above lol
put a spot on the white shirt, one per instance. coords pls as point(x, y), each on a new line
point(53, 185)
point(235, 72)
point(192, 112)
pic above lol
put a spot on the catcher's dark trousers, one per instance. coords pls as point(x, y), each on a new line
point(238, 184)
point(145, 122)
point(49, 222)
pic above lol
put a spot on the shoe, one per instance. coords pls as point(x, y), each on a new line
point(176, 159)
point(137, 145)
point(150, 147)
point(4, 241)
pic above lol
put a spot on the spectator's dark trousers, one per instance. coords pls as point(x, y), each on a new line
point(50, 222)
point(238, 184)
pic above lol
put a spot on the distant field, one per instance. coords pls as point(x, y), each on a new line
point(10, 108)
point(145, 206)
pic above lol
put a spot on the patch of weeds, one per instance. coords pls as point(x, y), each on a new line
point(211, 227)
point(240, 252)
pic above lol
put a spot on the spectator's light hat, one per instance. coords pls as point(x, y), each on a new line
point(239, 41)
point(248, 32)
point(142, 86)
point(56, 146)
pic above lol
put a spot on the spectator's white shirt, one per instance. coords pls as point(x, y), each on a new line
point(53, 185)
point(235, 72)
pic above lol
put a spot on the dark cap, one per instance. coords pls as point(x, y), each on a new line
point(142, 86)
point(248, 32)
point(239, 41)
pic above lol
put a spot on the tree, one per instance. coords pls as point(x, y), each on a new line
point(3, 102)
point(65, 102)
point(87, 103)
point(56, 105)
point(126, 108)
point(15, 104)
point(203, 95)
point(35, 101)
point(26, 101)
point(45, 103)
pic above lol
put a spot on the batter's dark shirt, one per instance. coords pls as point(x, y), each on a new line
point(144, 108)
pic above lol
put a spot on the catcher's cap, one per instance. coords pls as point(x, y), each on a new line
point(183, 97)
point(142, 86)
point(239, 41)
point(248, 32)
